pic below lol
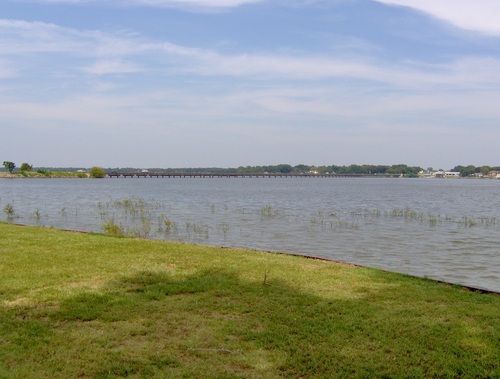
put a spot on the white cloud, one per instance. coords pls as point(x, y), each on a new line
point(283, 86)
point(67, 50)
point(99, 53)
point(112, 67)
point(201, 3)
point(476, 15)
point(19, 37)
point(474, 72)
point(190, 4)
point(5, 70)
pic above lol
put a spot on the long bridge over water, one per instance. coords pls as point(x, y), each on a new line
point(142, 174)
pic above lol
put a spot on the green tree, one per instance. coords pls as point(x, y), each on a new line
point(411, 172)
point(97, 172)
point(9, 166)
point(485, 170)
point(26, 167)
point(301, 169)
point(465, 171)
point(284, 168)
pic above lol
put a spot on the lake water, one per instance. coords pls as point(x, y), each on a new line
point(441, 229)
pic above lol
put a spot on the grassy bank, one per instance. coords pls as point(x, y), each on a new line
point(76, 305)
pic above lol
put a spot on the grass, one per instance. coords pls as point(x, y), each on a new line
point(97, 306)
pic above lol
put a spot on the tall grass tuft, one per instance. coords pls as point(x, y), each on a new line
point(112, 228)
point(9, 211)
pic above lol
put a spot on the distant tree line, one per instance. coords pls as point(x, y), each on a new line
point(410, 171)
point(473, 170)
point(405, 170)
point(289, 169)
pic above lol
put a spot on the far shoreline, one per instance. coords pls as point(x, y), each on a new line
point(147, 174)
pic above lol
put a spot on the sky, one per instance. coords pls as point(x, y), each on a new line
point(229, 83)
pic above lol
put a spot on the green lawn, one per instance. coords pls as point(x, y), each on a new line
point(94, 306)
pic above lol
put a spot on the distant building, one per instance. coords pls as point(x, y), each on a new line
point(439, 174)
point(494, 174)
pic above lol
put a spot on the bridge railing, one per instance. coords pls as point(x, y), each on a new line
point(141, 174)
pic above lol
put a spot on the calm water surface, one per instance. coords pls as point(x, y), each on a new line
point(441, 229)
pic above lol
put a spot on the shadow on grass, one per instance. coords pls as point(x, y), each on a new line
point(212, 324)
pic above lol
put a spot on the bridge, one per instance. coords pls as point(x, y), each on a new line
point(143, 174)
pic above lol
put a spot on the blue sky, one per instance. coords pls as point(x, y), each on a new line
point(202, 83)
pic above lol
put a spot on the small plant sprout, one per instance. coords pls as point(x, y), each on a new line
point(36, 214)
point(9, 211)
point(224, 228)
point(112, 228)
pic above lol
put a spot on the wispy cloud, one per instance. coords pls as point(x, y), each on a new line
point(99, 53)
point(332, 79)
point(112, 67)
point(481, 16)
point(201, 3)
point(470, 72)
point(189, 4)
point(6, 71)
point(18, 37)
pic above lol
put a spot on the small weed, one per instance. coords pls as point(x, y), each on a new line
point(433, 221)
point(268, 212)
point(36, 214)
point(8, 209)
point(468, 222)
point(224, 228)
point(141, 231)
point(110, 227)
point(198, 230)
point(167, 227)
point(488, 221)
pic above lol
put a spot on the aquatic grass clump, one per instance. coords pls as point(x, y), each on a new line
point(366, 213)
point(112, 228)
point(142, 230)
point(468, 221)
point(408, 214)
point(268, 212)
point(198, 230)
point(488, 221)
point(167, 227)
point(133, 207)
point(339, 224)
point(223, 228)
point(135, 217)
point(37, 215)
point(64, 213)
point(9, 211)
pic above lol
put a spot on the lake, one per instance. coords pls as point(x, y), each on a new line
point(443, 229)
